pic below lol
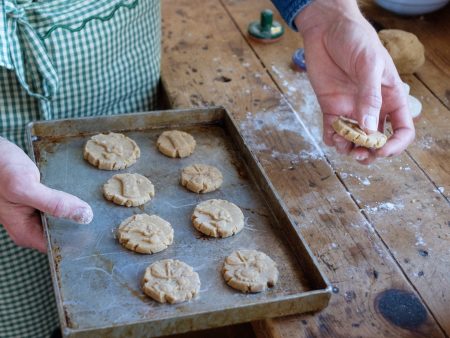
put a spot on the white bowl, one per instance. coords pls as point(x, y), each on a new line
point(412, 7)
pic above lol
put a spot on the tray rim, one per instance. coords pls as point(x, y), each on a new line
point(322, 295)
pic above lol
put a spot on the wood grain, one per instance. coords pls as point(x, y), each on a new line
point(207, 61)
point(430, 85)
point(433, 30)
point(396, 195)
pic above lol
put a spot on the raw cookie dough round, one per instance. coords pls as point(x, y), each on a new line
point(218, 218)
point(130, 190)
point(350, 130)
point(175, 143)
point(406, 50)
point(170, 281)
point(250, 271)
point(145, 234)
point(201, 178)
point(111, 151)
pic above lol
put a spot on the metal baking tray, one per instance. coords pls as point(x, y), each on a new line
point(97, 281)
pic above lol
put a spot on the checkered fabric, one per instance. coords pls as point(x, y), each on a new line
point(60, 59)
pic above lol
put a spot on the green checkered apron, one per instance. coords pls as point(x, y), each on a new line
point(59, 59)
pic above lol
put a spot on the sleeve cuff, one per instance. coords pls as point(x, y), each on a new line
point(289, 9)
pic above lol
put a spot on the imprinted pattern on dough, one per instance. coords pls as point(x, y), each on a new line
point(250, 271)
point(170, 281)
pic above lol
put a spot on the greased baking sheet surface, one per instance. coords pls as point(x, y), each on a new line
point(99, 280)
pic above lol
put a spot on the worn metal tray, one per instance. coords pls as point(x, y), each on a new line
point(97, 281)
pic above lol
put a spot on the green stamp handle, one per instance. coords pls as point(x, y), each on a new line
point(266, 20)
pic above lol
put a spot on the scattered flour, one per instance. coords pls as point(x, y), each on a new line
point(380, 251)
point(384, 207)
point(426, 142)
point(439, 190)
point(419, 240)
point(280, 120)
point(308, 108)
point(363, 180)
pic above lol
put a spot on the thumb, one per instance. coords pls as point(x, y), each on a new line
point(57, 203)
point(369, 99)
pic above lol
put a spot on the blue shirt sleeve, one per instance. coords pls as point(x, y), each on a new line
point(289, 9)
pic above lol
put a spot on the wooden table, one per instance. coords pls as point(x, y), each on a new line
point(381, 232)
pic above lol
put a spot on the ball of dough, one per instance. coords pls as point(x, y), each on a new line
point(111, 151)
point(130, 190)
point(175, 143)
point(250, 271)
point(406, 50)
point(145, 234)
point(201, 178)
point(170, 281)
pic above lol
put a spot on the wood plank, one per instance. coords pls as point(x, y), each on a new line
point(399, 200)
point(433, 30)
point(232, 331)
point(206, 61)
point(430, 148)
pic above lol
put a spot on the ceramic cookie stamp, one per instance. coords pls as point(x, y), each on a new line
point(266, 30)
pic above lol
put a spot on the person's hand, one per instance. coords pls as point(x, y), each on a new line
point(22, 194)
point(353, 75)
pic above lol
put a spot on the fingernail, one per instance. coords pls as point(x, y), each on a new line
point(370, 122)
point(359, 157)
point(83, 215)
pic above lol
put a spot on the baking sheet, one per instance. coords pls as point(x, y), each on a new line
point(97, 281)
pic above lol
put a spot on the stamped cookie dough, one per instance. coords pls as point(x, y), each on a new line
point(170, 281)
point(175, 143)
point(130, 190)
point(145, 234)
point(201, 178)
point(350, 130)
point(218, 218)
point(111, 151)
point(250, 271)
